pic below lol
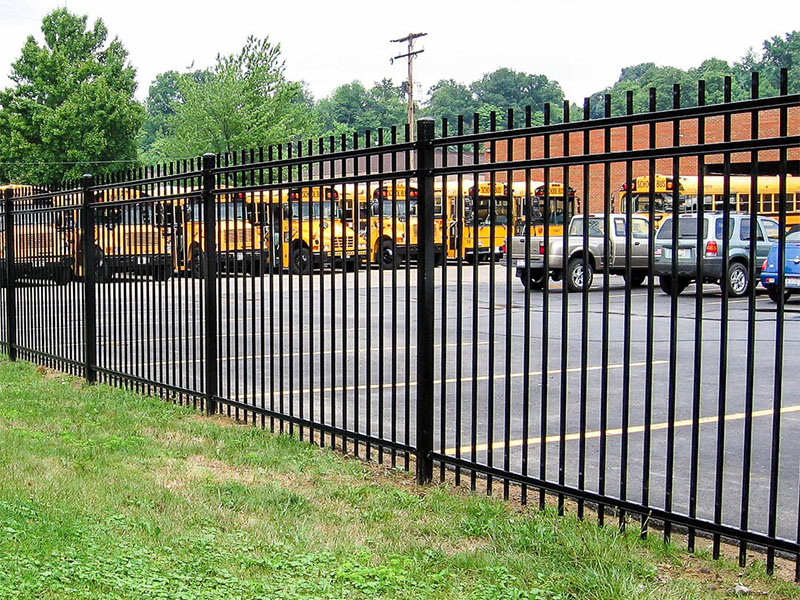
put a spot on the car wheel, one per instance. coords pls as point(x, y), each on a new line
point(534, 282)
point(577, 272)
point(738, 280)
point(301, 260)
point(775, 295)
point(666, 284)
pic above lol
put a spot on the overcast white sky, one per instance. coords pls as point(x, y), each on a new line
point(581, 44)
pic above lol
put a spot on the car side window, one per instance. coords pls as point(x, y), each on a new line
point(744, 231)
point(619, 227)
point(719, 226)
point(771, 229)
point(639, 229)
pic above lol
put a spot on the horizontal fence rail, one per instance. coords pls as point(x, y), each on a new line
point(502, 308)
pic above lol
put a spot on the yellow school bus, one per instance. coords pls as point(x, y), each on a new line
point(305, 228)
point(478, 233)
point(388, 219)
point(41, 243)
point(740, 192)
point(238, 237)
point(713, 195)
point(553, 197)
point(663, 190)
point(129, 235)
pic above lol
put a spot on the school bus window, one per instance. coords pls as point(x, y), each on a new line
point(766, 203)
point(744, 202)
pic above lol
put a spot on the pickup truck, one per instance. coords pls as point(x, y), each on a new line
point(531, 271)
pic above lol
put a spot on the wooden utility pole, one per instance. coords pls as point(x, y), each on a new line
point(410, 83)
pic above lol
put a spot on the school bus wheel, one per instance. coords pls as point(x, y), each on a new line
point(388, 253)
point(301, 260)
point(196, 262)
point(256, 266)
point(101, 267)
point(162, 273)
point(62, 275)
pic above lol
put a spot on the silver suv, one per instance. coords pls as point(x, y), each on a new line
point(737, 277)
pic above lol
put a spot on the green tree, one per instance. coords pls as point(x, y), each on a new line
point(510, 89)
point(352, 107)
point(449, 100)
point(780, 52)
point(243, 101)
point(164, 94)
point(71, 106)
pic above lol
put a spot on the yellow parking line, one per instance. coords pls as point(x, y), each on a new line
point(617, 431)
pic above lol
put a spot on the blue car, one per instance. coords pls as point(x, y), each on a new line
point(769, 270)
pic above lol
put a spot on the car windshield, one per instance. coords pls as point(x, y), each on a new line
point(687, 229)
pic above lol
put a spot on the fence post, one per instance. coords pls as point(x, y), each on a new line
point(89, 281)
point(425, 301)
point(11, 284)
point(209, 273)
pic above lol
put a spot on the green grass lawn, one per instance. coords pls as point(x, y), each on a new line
point(106, 494)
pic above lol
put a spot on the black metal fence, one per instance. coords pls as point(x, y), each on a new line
point(359, 293)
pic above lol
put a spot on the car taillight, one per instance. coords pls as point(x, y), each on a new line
point(711, 249)
point(541, 247)
point(764, 265)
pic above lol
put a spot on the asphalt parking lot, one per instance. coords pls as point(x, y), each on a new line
point(342, 349)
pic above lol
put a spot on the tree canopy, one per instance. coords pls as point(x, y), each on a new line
point(778, 52)
point(71, 108)
point(243, 101)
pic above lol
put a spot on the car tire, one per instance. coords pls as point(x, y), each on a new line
point(536, 280)
point(774, 295)
point(738, 280)
point(665, 282)
point(576, 272)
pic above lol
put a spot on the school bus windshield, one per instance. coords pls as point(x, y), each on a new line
point(314, 210)
point(389, 208)
point(126, 215)
point(661, 203)
point(483, 213)
point(226, 211)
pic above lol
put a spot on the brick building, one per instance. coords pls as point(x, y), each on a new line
point(741, 129)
